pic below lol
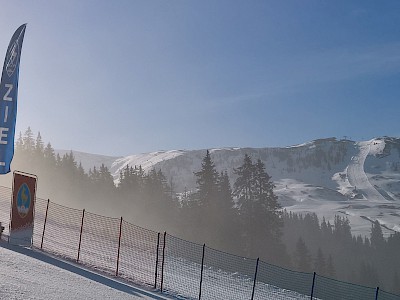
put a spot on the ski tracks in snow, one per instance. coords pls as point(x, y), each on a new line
point(358, 178)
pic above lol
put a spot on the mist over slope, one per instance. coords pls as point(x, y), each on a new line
point(325, 176)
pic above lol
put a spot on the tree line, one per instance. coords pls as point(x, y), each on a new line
point(243, 217)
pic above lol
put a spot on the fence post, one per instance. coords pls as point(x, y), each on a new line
point(158, 246)
point(119, 246)
point(44, 224)
point(312, 288)
point(163, 261)
point(202, 269)
point(80, 235)
point(255, 278)
point(376, 293)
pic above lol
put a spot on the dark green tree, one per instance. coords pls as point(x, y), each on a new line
point(258, 210)
point(207, 182)
point(244, 184)
point(302, 256)
point(377, 240)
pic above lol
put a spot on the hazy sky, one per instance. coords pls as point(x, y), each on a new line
point(125, 77)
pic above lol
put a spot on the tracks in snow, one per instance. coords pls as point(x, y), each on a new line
point(358, 178)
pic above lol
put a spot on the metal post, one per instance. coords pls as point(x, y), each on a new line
point(158, 246)
point(119, 246)
point(80, 236)
point(202, 269)
point(44, 224)
point(376, 293)
point(163, 261)
point(255, 279)
point(312, 288)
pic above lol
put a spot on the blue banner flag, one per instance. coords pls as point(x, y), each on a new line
point(8, 99)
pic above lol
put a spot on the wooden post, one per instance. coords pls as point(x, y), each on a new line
point(119, 246)
point(44, 225)
point(80, 236)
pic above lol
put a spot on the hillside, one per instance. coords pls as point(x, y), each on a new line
point(325, 176)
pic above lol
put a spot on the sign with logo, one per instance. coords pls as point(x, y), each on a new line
point(22, 209)
point(8, 99)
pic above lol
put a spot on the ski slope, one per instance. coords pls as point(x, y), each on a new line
point(358, 178)
point(27, 274)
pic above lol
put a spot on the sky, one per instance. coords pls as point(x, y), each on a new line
point(126, 77)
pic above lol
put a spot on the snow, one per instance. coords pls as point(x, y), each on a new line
point(29, 274)
point(32, 274)
point(357, 176)
point(363, 184)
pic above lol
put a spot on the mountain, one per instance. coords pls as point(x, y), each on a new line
point(327, 176)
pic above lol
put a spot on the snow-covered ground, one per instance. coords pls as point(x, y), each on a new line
point(29, 274)
point(328, 177)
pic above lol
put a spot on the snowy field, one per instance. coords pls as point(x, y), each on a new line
point(28, 274)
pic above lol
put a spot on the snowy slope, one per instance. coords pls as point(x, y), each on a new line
point(26, 274)
point(326, 176)
point(31, 274)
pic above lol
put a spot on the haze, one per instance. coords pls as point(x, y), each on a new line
point(117, 78)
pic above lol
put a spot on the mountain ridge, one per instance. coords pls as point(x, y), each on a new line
point(327, 176)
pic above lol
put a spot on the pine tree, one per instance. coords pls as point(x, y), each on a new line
point(39, 146)
point(49, 154)
point(320, 264)
point(243, 186)
point(207, 182)
point(259, 211)
point(105, 179)
point(302, 256)
point(28, 141)
point(19, 145)
point(377, 240)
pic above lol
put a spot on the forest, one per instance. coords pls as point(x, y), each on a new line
point(243, 217)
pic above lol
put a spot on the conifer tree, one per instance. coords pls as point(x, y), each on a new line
point(320, 264)
point(19, 145)
point(28, 141)
point(49, 154)
point(207, 182)
point(39, 146)
point(243, 186)
point(302, 256)
point(259, 211)
point(377, 240)
point(203, 203)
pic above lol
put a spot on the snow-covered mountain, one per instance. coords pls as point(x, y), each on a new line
point(325, 176)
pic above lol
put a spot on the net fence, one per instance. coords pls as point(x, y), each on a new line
point(174, 266)
point(138, 254)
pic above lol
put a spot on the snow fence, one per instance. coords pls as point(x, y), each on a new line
point(171, 265)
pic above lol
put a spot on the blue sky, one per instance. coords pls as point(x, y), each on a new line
point(125, 77)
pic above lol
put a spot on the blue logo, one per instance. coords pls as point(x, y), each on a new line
point(23, 200)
